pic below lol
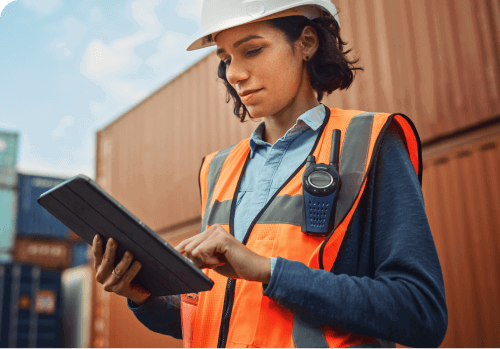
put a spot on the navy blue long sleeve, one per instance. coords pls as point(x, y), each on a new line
point(387, 280)
point(159, 314)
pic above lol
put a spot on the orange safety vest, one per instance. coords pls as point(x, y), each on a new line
point(235, 313)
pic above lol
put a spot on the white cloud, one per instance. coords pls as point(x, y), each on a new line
point(110, 65)
point(189, 9)
point(65, 46)
point(60, 131)
point(144, 13)
point(107, 64)
point(171, 45)
point(44, 7)
point(101, 61)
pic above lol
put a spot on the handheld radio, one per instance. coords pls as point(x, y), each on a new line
point(321, 185)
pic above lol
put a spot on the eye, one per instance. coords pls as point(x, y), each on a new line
point(253, 52)
point(249, 53)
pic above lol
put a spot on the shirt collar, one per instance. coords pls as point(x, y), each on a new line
point(313, 119)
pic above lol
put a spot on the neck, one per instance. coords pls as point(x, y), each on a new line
point(280, 122)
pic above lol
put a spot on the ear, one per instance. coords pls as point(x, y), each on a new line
point(308, 41)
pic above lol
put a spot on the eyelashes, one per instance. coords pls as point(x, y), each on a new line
point(249, 53)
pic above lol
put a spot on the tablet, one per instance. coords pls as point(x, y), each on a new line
point(87, 209)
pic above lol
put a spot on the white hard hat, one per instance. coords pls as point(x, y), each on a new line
point(218, 15)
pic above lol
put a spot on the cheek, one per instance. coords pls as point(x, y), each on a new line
point(285, 78)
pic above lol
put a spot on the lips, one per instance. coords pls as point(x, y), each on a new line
point(247, 92)
point(246, 97)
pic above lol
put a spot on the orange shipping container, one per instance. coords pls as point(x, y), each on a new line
point(461, 189)
point(435, 61)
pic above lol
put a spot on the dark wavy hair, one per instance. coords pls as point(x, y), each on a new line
point(329, 68)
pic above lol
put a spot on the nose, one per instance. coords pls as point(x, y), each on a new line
point(236, 73)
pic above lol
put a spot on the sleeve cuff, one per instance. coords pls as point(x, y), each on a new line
point(273, 264)
point(150, 303)
point(276, 265)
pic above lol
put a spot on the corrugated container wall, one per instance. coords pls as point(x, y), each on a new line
point(438, 62)
point(8, 158)
point(33, 219)
point(461, 189)
point(31, 307)
point(8, 215)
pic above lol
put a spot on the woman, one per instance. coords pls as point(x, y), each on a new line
point(375, 280)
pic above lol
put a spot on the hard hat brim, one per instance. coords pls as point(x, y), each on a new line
point(207, 39)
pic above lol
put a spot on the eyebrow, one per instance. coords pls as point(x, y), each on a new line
point(239, 42)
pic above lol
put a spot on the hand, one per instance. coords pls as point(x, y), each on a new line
point(215, 248)
point(119, 281)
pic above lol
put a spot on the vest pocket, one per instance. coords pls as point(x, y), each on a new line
point(189, 302)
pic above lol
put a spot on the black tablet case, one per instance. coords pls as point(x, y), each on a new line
point(88, 210)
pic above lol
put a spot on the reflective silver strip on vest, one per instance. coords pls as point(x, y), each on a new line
point(353, 162)
point(213, 175)
point(283, 210)
point(351, 170)
point(306, 335)
point(219, 212)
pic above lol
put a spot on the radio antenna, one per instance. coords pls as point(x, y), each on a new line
point(334, 153)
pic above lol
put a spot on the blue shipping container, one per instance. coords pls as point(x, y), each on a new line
point(81, 254)
point(32, 218)
point(8, 158)
point(30, 310)
point(8, 215)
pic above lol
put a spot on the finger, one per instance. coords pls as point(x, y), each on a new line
point(97, 251)
point(108, 260)
point(123, 285)
point(122, 267)
point(209, 251)
point(200, 238)
point(180, 247)
point(213, 243)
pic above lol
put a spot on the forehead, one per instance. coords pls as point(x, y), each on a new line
point(228, 37)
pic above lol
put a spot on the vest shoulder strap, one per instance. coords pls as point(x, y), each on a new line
point(209, 174)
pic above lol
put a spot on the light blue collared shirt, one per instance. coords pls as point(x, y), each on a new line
point(270, 165)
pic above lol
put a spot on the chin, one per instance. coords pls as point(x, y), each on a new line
point(259, 110)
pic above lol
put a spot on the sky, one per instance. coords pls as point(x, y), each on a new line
point(69, 68)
